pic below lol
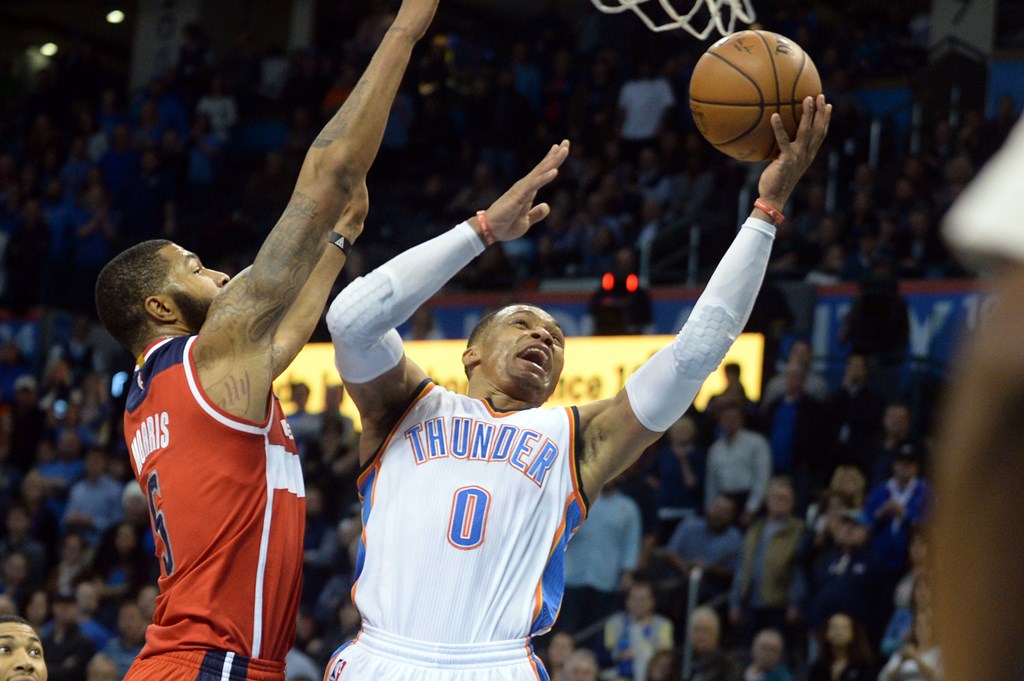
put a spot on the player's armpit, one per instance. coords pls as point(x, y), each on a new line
point(382, 401)
point(613, 439)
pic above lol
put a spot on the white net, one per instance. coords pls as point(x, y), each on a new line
point(705, 16)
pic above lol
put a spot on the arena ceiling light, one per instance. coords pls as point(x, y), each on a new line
point(115, 16)
point(48, 50)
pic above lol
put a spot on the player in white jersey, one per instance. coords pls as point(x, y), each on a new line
point(469, 500)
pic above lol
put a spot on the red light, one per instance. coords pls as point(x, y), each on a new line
point(608, 281)
point(632, 283)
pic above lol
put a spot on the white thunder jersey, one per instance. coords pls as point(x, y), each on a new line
point(486, 502)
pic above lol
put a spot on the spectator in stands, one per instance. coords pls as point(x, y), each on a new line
point(900, 629)
point(845, 492)
point(848, 579)
point(664, 666)
point(919, 658)
point(878, 327)
point(151, 206)
point(896, 439)
point(25, 258)
point(15, 579)
point(795, 426)
point(305, 425)
point(582, 666)
point(895, 508)
point(101, 668)
point(12, 367)
point(87, 598)
point(733, 393)
point(766, 653)
point(27, 423)
point(845, 653)
point(631, 637)
point(561, 646)
point(679, 468)
point(220, 107)
point(644, 103)
point(74, 566)
point(37, 609)
point(710, 662)
point(711, 543)
point(203, 149)
point(800, 355)
point(131, 634)
point(769, 586)
point(94, 502)
point(19, 540)
point(856, 408)
point(122, 567)
point(739, 464)
point(64, 467)
point(43, 523)
point(67, 648)
point(600, 559)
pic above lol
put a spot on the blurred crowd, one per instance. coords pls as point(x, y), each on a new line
point(801, 511)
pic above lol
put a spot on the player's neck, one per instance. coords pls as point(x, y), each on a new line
point(500, 399)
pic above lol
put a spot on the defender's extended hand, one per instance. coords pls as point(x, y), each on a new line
point(514, 213)
point(795, 156)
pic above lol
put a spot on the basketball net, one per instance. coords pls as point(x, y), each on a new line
point(720, 15)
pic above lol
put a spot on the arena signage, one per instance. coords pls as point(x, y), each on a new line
point(595, 368)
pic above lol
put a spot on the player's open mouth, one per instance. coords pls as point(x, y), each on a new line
point(536, 355)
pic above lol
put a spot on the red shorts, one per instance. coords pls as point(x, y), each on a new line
point(204, 665)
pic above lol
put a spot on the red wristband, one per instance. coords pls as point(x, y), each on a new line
point(775, 215)
point(485, 229)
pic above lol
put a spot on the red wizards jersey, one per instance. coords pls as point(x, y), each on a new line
point(228, 511)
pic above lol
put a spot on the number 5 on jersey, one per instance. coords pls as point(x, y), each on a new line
point(469, 517)
point(159, 524)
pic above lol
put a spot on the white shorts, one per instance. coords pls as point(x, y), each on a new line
point(378, 656)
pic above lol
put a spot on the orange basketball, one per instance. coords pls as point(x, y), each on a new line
point(740, 82)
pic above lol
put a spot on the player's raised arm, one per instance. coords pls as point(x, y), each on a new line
point(368, 350)
point(234, 347)
point(617, 430)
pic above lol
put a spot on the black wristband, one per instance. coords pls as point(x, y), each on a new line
point(341, 242)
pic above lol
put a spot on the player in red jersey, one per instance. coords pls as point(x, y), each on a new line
point(209, 443)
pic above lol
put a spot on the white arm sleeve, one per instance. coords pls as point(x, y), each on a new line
point(362, 317)
point(663, 388)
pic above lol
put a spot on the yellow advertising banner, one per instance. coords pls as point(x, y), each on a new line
point(595, 368)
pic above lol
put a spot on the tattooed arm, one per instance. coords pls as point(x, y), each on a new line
point(234, 352)
point(298, 324)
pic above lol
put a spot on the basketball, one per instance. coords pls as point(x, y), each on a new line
point(740, 82)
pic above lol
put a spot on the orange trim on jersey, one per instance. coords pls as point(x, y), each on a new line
point(532, 659)
point(574, 468)
point(422, 390)
point(190, 368)
point(141, 359)
point(539, 598)
point(504, 413)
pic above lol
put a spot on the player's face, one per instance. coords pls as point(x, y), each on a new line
point(524, 351)
point(21, 653)
point(193, 286)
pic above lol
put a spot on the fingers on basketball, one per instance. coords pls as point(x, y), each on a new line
point(740, 82)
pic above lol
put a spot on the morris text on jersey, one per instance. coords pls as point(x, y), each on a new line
point(153, 433)
point(467, 439)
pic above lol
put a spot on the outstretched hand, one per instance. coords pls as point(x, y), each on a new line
point(795, 156)
point(514, 213)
